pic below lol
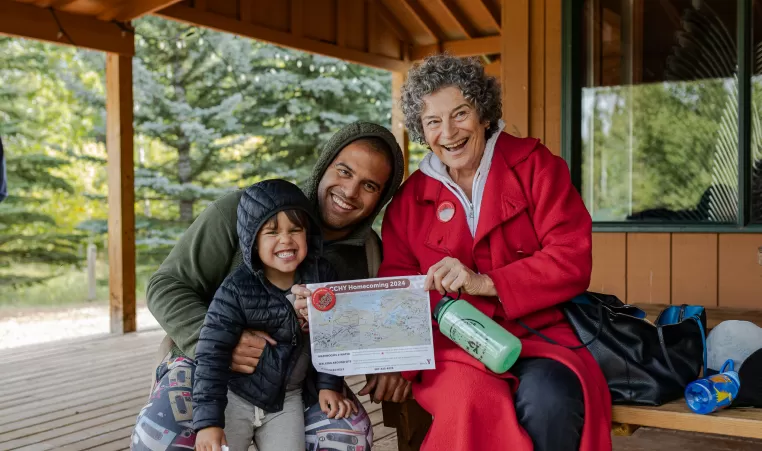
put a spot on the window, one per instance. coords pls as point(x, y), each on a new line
point(756, 114)
point(659, 108)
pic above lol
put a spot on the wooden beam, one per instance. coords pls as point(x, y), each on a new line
point(371, 26)
point(537, 69)
point(553, 74)
point(397, 28)
point(245, 10)
point(515, 78)
point(424, 20)
point(188, 15)
point(121, 195)
point(466, 47)
point(297, 18)
point(398, 119)
point(57, 4)
point(134, 9)
point(493, 69)
point(456, 16)
point(491, 17)
point(342, 18)
point(28, 21)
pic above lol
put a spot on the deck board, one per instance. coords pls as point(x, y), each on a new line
point(81, 395)
point(90, 397)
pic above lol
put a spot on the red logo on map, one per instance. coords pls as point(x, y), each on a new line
point(323, 299)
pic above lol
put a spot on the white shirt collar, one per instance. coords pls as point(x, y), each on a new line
point(433, 167)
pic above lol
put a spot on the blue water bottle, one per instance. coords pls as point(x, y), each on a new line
point(713, 393)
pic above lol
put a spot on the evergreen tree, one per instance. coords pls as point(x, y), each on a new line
point(214, 112)
point(32, 125)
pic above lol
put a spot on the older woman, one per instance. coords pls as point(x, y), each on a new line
point(497, 217)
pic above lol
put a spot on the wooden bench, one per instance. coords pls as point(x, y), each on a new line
point(412, 422)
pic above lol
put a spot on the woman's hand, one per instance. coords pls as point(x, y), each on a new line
point(336, 405)
point(450, 275)
point(210, 439)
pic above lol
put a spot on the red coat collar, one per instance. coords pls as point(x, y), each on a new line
point(504, 197)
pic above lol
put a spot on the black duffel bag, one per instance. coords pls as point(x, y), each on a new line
point(644, 363)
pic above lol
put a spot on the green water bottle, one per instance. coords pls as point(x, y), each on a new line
point(477, 334)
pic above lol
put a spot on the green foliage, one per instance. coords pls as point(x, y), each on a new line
point(34, 119)
point(213, 112)
point(663, 134)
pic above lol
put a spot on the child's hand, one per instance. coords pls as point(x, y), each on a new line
point(336, 405)
point(300, 305)
point(210, 439)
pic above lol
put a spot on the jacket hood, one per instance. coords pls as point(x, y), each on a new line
point(262, 201)
point(338, 141)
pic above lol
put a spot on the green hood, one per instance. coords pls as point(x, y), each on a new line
point(338, 141)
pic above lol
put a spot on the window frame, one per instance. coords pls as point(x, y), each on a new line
point(571, 131)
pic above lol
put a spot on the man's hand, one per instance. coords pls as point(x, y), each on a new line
point(210, 439)
point(300, 305)
point(386, 387)
point(250, 347)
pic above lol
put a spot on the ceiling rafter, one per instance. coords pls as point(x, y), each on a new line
point(218, 22)
point(45, 24)
point(458, 18)
point(424, 19)
point(134, 9)
point(494, 16)
point(464, 47)
point(397, 28)
point(55, 4)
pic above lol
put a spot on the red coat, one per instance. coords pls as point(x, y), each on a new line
point(534, 240)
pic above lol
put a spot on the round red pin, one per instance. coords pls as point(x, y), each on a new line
point(445, 211)
point(323, 299)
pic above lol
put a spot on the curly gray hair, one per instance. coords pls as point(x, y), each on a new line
point(443, 70)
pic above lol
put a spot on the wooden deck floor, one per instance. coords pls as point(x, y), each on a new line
point(85, 394)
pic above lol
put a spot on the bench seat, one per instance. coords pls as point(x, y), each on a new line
point(412, 422)
point(746, 423)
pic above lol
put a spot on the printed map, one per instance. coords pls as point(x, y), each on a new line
point(372, 320)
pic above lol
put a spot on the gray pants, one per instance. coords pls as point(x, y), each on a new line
point(278, 431)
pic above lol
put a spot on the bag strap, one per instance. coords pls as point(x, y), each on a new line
point(666, 354)
point(703, 340)
point(663, 346)
point(551, 341)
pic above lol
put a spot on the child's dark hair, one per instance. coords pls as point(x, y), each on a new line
point(297, 217)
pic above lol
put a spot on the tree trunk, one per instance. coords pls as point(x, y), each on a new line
point(184, 174)
point(184, 167)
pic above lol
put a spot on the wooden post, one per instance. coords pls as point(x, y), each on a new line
point(121, 196)
point(515, 67)
point(411, 421)
point(398, 120)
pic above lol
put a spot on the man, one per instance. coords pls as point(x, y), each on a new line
point(357, 173)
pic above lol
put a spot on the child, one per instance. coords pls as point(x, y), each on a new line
point(280, 243)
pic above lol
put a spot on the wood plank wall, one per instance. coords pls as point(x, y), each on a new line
point(710, 269)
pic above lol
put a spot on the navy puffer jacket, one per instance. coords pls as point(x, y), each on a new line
point(247, 300)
